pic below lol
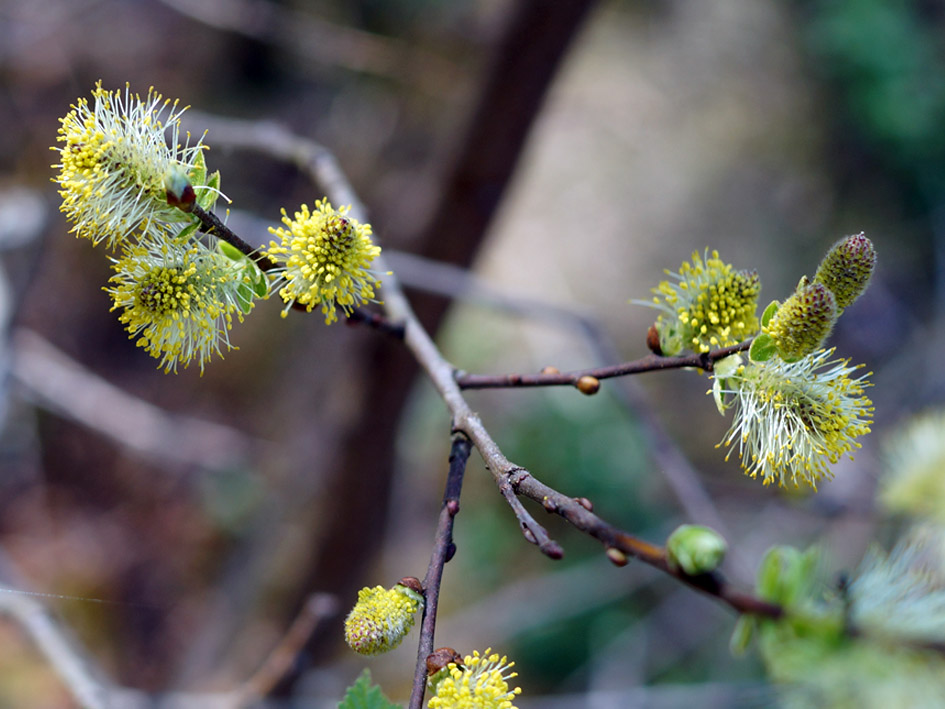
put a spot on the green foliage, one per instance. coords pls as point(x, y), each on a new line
point(206, 198)
point(885, 60)
point(364, 694)
point(869, 641)
point(763, 348)
point(254, 283)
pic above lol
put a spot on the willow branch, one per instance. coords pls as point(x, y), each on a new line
point(321, 166)
point(455, 283)
point(619, 543)
point(650, 363)
point(212, 224)
point(443, 550)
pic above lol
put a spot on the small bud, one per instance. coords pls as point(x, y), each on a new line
point(786, 573)
point(741, 634)
point(550, 370)
point(588, 385)
point(653, 341)
point(847, 268)
point(548, 504)
point(695, 549)
point(440, 658)
point(585, 503)
point(381, 618)
point(180, 193)
point(413, 583)
point(803, 321)
point(617, 557)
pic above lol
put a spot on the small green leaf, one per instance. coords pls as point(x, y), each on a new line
point(244, 298)
point(208, 196)
point(230, 251)
point(364, 694)
point(258, 279)
point(198, 173)
point(741, 634)
point(763, 348)
point(717, 394)
point(187, 230)
point(769, 312)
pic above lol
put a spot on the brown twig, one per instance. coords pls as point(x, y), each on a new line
point(375, 321)
point(443, 550)
point(576, 512)
point(649, 363)
point(212, 225)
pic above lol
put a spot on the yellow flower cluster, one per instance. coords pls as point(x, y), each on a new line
point(114, 160)
point(327, 257)
point(481, 682)
point(126, 180)
point(178, 301)
point(792, 419)
point(707, 305)
point(381, 618)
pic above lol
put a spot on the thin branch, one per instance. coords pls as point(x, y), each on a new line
point(375, 321)
point(212, 224)
point(579, 516)
point(443, 550)
point(531, 529)
point(649, 363)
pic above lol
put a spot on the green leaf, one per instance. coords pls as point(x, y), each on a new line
point(763, 348)
point(198, 173)
point(769, 312)
point(364, 694)
point(244, 298)
point(230, 251)
point(741, 635)
point(207, 197)
point(187, 231)
point(258, 279)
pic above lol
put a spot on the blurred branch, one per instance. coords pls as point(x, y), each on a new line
point(319, 607)
point(60, 384)
point(69, 660)
point(443, 550)
point(85, 680)
point(325, 43)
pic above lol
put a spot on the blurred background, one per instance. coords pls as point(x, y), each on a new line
point(566, 156)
